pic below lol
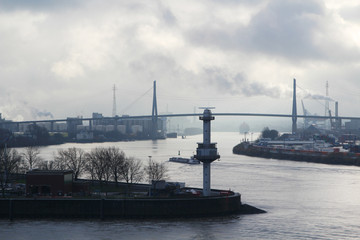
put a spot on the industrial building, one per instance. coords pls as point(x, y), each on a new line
point(49, 182)
point(96, 128)
point(54, 183)
point(352, 125)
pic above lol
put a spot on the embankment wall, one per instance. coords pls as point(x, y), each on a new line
point(117, 208)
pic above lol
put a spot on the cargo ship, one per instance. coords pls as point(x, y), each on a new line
point(328, 155)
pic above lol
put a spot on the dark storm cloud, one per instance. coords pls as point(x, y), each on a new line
point(38, 5)
point(152, 65)
point(155, 66)
point(237, 2)
point(286, 28)
point(220, 79)
point(167, 15)
point(238, 84)
point(51, 49)
point(282, 28)
point(42, 114)
point(164, 69)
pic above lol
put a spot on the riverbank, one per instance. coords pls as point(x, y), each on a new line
point(225, 203)
point(301, 199)
point(334, 158)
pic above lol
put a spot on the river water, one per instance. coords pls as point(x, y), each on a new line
point(302, 200)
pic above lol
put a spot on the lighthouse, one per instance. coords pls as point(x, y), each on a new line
point(206, 151)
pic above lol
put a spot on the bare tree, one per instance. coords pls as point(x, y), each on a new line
point(131, 171)
point(47, 165)
point(155, 171)
point(31, 157)
point(59, 163)
point(73, 159)
point(97, 164)
point(10, 161)
point(116, 159)
point(90, 166)
point(106, 165)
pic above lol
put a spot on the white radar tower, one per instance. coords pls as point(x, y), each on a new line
point(206, 151)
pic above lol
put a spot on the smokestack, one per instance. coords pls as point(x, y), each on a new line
point(337, 119)
point(336, 109)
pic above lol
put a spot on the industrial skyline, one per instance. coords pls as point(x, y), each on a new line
point(116, 123)
point(330, 116)
point(62, 58)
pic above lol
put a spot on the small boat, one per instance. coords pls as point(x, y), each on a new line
point(190, 160)
point(171, 135)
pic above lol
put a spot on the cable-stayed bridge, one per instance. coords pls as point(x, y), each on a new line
point(14, 125)
point(234, 114)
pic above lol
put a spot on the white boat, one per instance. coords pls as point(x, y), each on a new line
point(190, 160)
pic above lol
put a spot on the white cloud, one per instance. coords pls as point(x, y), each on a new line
point(69, 68)
point(21, 24)
point(88, 50)
point(70, 53)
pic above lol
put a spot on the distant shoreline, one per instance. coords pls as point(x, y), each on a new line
point(16, 145)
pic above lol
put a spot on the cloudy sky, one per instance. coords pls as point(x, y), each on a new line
point(62, 58)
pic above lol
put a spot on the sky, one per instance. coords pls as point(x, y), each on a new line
point(62, 58)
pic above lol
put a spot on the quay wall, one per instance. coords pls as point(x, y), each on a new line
point(120, 208)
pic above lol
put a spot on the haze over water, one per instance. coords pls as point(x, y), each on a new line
point(302, 200)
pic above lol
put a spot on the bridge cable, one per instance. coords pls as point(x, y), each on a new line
point(317, 100)
point(135, 101)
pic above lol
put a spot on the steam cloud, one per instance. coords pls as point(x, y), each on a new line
point(37, 113)
point(239, 85)
point(318, 97)
point(20, 111)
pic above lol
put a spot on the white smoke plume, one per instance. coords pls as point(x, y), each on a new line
point(318, 97)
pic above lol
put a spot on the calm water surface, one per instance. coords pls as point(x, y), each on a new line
point(302, 200)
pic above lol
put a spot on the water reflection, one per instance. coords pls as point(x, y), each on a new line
point(303, 200)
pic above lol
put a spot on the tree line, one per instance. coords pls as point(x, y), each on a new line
point(100, 164)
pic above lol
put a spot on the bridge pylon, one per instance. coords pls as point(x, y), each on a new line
point(154, 115)
point(294, 110)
